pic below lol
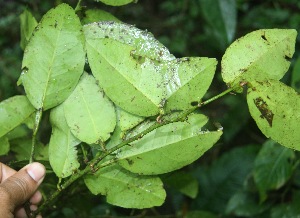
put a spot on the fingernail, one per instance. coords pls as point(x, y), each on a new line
point(36, 171)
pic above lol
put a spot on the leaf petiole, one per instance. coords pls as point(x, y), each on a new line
point(38, 117)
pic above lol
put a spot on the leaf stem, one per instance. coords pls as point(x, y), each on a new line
point(215, 97)
point(92, 166)
point(78, 7)
point(36, 125)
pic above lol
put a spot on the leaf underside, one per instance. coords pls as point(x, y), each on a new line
point(54, 58)
point(169, 147)
point(126, 189)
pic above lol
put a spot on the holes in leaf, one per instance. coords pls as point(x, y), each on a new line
point(264, 37)
point(287, 58)
point(266, 113)
point(138, 58)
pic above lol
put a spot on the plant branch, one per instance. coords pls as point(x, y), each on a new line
point(92, 166)
point(215, 97)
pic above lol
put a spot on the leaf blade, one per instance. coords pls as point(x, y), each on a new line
point(13, 112)
point(259, 55)
point(160, 151)
point(62, 146)
point(28, 24)
point(126, 189)
point(273, 166)
point(275, 109)
point(89, 114)
point(54, 58)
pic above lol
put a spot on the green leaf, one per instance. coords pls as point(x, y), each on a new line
point(96, 15)
point(127, 120)
point(145, 75)
point(288, 209)
point(13, 112)
point(273, 167)
point(169, 147)
point(245, 204)
point(216, 181)
point(22, 149)
point(28, 24)
point(187, 81)
point(129, 56)
point(116, 138)
point(275, 109)
point(260, 55)
point(143, 42)
point(4, 146)
point(116, 2)
point(183, 182)
point(62, 145)
point(19, 132)
point(89, 113)
point(54, 58)
point(126, 189)
point(296, 76)
point(221, 16)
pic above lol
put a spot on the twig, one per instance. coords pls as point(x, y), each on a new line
point(166, 119)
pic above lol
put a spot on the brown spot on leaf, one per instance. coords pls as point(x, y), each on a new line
point(266, 113)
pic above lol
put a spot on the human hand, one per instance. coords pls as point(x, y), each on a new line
point(18, 187)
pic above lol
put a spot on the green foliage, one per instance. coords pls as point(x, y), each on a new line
point(112, 112)
point(126, 189)
point(273, 167)
point(160, 152)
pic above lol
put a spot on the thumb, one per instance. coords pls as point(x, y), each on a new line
point(18, 188)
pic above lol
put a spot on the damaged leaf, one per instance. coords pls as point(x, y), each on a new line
point(147, 79)
point(275, 109)
point(260, 55)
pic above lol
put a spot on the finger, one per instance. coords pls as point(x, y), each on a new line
point(16, 189)
point(36, 198)
point(20, 213)
point(5, 172)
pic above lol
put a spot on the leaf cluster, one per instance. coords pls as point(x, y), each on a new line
point(124, 112)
